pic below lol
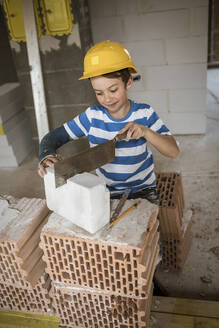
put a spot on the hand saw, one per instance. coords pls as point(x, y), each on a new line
point(86, 161)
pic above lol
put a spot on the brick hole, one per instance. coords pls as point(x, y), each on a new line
point(79, 250)
point(65, 262)
point(129, 268)
point(134, 252)
point(117, 275)
point(135, 264)
point(81, 260)
point(63, 252)
point(110, 260)
point(68, 248)
point(98, 257)
point(123, 271)
point(109, 249)
point(66, 275)
point(99, 267)
point(118, 284)
point(105, 264)
point(112, 279)
point(54, 260)
point(86, 255)
point(104, 254)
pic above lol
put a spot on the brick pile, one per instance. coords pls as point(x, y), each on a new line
point(175, 225)
point(24, 284)
point(103, 280)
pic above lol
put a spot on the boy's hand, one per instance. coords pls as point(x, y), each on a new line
point(48, 161)
point(134, 131)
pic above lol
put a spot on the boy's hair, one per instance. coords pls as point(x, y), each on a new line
point(123, 73)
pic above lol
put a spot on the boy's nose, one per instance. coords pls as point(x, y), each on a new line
point(107, 98)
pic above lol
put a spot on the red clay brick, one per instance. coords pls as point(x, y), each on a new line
point(171, 198)
point(17, 298)
point(93, 309)
point(20, 255)
point(105, 265)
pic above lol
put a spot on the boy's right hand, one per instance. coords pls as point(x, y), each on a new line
point(48, 161)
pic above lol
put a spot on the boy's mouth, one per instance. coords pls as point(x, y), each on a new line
point(111, 105)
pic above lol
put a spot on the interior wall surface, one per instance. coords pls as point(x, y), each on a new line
point(168, 43)
point(62, 65)
point(216, 31)
point(7, 68)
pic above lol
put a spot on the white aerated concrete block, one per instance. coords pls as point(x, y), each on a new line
point(158, 99)
point(107, 28)
point(156, 25)
point(11, 100)
point(147, 53)
point(176, 76)
point(186, 123)
point(187, 50)
point(199, 21)
point(188, 100)
point(84, 200)
point(163, 5)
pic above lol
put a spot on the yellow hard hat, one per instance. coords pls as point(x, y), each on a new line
point(106, 57)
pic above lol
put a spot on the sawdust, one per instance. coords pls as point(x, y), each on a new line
point(7, 214)
point(127, 231)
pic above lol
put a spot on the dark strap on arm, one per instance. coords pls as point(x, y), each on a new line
point(52, 141)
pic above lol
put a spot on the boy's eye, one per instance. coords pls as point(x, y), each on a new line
point(114, 90)
point(98, 94)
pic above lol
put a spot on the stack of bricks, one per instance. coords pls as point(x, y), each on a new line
point(24, 285)
point(175, 228)
point(15, 133)
point(104, 279)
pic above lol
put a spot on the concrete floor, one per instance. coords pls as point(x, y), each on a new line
point(198, 164)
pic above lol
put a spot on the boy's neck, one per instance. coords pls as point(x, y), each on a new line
point(123, 112)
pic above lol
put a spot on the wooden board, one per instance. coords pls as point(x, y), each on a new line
point(27, 320)
point(169, 312)
point(199, 308)
point(167, 320)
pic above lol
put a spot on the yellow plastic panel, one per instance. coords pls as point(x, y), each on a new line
point(27, 320)
point(57, 16)
point(2, 132)
point(13, 10)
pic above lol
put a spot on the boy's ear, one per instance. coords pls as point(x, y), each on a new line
point(129, 83)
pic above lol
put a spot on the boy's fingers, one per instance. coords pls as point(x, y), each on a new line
point(125, 128)
point(41, 171)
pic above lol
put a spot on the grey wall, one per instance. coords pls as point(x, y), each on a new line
point(7, 68)
point(168, 43)
point(62, 65)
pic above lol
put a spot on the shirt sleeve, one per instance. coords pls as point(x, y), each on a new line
point(155, 123)
point(79, 126)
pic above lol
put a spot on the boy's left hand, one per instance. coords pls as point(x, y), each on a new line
point(134, 131)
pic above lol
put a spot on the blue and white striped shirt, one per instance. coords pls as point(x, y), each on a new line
point(133, 167)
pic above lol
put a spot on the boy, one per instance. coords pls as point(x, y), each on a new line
point(109, 66)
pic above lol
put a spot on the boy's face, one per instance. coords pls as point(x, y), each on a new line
point(111, 93)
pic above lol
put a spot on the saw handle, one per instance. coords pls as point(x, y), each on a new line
point(120, 137)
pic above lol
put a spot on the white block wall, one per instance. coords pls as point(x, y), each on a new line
point(167, 40)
